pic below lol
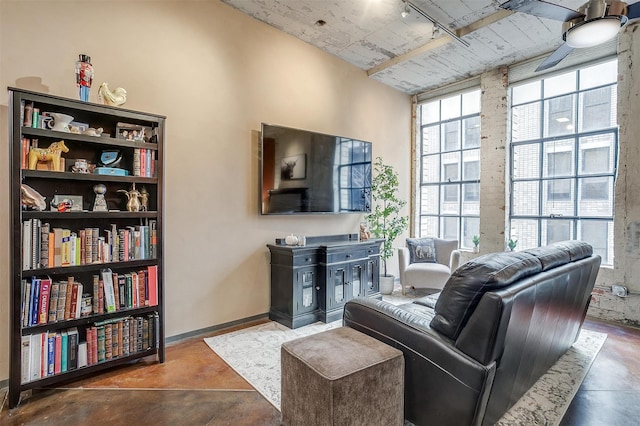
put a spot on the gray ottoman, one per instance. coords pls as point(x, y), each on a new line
point(341, 377)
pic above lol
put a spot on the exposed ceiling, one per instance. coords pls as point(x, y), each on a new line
point(405, 53)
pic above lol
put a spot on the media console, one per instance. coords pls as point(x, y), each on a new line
point(312, 283)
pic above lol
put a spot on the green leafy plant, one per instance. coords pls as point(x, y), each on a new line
point(476, 240)
point(512, 244)
point(385, 220)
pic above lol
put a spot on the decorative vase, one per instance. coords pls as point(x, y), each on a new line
point(386, 284)
point(61, 122)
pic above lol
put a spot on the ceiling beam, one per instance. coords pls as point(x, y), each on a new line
point(440, 41)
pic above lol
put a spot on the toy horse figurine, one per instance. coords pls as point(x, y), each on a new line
point(44, 155)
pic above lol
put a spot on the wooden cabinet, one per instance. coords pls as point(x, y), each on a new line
point(109, 259)
point(313, 282)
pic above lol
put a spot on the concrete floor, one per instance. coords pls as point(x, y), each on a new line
point(195, 387)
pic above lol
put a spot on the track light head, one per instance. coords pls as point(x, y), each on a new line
point(407, 10)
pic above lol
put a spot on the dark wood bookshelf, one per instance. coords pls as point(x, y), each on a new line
point(51, 183)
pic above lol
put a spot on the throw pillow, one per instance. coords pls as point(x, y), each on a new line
point(421, 250)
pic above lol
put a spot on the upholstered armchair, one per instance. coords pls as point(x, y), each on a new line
point(427, 262)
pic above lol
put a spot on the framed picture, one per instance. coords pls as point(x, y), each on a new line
point(130, 132)
point(72, 203)
point(294, 167)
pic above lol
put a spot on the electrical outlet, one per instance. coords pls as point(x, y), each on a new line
point(619, 290)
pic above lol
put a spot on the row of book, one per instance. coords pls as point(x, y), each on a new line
point(44, 246)
point(49, 353)
point(45, 301)
point(144, 162)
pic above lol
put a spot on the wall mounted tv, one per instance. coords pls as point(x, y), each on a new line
point(305, 172)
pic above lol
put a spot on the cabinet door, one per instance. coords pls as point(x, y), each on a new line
point(306, 289)
point(373, 275)
point(357, 279)
point(337, 286)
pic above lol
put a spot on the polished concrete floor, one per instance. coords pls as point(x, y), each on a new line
point(195, 387)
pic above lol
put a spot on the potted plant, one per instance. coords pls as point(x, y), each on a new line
point(476, 242)
point(512, 244)
point(385, 220)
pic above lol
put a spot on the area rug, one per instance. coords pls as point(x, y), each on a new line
point(254, 353)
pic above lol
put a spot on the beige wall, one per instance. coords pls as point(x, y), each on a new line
point(216, 74)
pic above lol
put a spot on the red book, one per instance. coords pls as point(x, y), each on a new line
point(43, 309)
point(74, 301)
point(58, 356)
point(152, 278)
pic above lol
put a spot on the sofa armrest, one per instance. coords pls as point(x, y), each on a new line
point(443, 385)
point(454, 260)
point(403, 262)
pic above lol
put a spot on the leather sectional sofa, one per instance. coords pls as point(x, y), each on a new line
point(498, 325)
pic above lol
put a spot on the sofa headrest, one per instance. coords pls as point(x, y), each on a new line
point(470, 281)
point(549, 256)
point(577, 249)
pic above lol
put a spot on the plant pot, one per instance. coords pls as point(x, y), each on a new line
point(386, 284)
point(475, 249)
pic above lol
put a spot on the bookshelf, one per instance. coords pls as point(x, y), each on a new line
point(86, 279)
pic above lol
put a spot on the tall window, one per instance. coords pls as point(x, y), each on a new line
point(449, 161)
point(564, 145)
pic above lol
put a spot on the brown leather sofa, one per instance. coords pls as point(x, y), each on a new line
point(499, 323)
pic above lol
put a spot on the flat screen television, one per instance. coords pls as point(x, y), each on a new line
point(304, 172)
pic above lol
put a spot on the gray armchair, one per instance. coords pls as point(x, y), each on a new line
point(427, 262)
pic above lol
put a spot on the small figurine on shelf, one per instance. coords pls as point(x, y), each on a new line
point(144, 199)
point(84, 76)
point(365, 234)
point(100, 204)
point(133, 198)
point(51, 154)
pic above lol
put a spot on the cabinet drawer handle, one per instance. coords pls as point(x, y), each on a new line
point(348, 256)
point(307, 259)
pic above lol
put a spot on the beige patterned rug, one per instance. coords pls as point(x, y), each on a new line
point(255, 354)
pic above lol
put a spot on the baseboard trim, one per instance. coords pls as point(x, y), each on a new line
point(195, 333)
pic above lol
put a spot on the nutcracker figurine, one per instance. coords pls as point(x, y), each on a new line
point(84, 76)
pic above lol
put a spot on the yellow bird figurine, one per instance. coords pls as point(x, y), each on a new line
point(116, 98)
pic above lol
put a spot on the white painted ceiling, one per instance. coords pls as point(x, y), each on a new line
point(403, 52)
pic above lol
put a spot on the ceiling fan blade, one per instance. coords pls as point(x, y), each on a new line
point(553, 59)
point(542, 9)
point(633, 11)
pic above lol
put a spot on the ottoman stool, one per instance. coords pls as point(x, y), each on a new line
point(341, 377)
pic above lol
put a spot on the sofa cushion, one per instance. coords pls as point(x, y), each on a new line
point(577, 249)
point(550, 257)
point(470, 281)
point(421, 250)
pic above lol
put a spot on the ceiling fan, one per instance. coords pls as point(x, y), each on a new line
point(593, 23)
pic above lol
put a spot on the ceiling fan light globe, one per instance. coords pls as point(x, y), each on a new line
point(593, 33)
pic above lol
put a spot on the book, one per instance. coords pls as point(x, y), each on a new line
point(82, 354)
point(36, 224)
point(64, 351)
point(78, 300)
point(109, 296)
point(26, 244)
point(25, 359)
point(53, 301)
point(57, 247)
point(36, 356)
point(116, 292)
point(152, 279)
point(101, 342)
point(35, 301)
point(45, 229)
point(26, 295)
point(51, 353)
point(58, 354)
point(62, 300)
point(66, 248)
point(68, 299)
point(72, 360)
point(43, 303)
point(73, 305)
